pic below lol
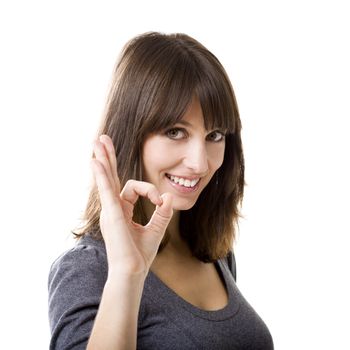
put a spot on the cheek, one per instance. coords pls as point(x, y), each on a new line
point(154, 162)
point(160, 155)
point(216, 156)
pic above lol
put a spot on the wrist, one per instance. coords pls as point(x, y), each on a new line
point(118, 273)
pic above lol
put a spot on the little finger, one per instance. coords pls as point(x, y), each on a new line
point(102, 157)
point(108, 143)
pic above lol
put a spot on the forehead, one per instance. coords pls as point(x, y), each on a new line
point(193, 115)
point(195, 118)
point(187, 111)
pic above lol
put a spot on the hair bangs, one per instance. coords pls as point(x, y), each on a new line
point(172, 94)
point(217, 101)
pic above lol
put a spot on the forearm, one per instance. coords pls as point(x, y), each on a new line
point(115, 325)
point(131, 249)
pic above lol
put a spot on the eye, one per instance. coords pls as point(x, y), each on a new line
point(176, 133)
point(216, 136)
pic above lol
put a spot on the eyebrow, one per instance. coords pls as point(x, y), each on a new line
point(184, 122)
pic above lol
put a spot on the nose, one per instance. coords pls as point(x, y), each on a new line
point(196, 158)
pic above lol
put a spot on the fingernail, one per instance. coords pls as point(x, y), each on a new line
point(101, 138)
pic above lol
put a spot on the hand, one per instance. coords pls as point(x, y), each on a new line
point(131, 248)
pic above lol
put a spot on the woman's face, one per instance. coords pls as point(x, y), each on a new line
point(183, 158)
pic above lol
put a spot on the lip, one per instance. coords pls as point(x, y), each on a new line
point(183, 189)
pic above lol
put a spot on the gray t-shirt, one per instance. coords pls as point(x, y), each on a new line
point(166, 321)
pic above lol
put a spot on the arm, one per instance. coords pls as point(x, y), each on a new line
point(131, 249)
point(116, 321)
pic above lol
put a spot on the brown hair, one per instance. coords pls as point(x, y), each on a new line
point(153, 83)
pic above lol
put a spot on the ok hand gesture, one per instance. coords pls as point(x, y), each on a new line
point(131, 248)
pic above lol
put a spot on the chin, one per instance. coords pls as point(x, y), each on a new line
point(183, 205)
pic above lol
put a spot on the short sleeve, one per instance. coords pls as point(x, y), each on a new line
point(76, 282)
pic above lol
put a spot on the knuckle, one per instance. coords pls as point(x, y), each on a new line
point(153, 188)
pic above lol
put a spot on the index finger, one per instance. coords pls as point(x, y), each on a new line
point(133, 189)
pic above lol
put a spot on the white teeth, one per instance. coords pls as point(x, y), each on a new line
point(174, 178)
point(183, 182)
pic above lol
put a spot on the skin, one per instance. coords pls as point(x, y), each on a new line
point(186, 150)
point(192, 152)
point(130, 248)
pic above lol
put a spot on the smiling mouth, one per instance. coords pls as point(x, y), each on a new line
point(182, 181)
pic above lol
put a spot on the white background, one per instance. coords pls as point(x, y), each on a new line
point(289, 65)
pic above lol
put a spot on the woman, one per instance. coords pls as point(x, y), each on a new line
point(153, 267)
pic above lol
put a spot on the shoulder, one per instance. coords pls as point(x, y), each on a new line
point(230, 262)
point(86, 261)
point(87, 253)
point(85, 258)
point(75, 284)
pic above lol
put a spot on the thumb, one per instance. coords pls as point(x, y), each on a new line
point(162, 215)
